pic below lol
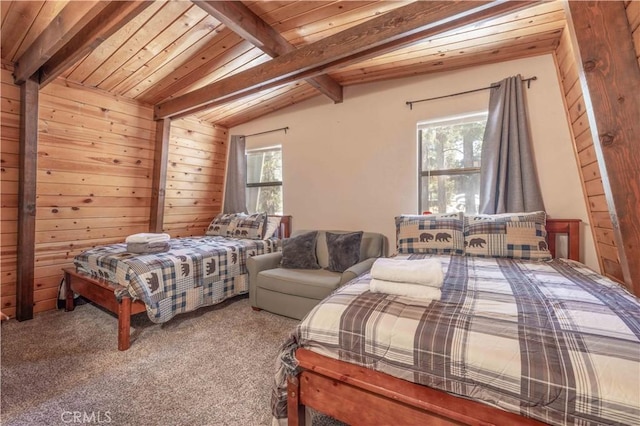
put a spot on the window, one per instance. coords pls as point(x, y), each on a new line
point(449, 169)
point(264, 180)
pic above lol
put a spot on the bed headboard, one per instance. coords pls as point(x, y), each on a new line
point(569, 227)
point(284, 230)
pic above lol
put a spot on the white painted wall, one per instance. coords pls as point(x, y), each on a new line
point(353, 165)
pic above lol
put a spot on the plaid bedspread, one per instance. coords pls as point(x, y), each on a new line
point(553, 341)
point(195, 272)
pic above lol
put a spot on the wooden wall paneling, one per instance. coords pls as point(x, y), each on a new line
point(586, 158)
point(583, 140)
point(94, 177)
point(610, 77)
point(28, 166)
point(9, 165)
point(195, 176)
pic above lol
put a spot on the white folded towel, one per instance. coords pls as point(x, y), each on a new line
point(405, 289)
point(147, 237)
point(426, 272)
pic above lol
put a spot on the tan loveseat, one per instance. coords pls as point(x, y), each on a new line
point(294, 292)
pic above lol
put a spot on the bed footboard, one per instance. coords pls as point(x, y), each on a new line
point(343, 390)
point(102, 295)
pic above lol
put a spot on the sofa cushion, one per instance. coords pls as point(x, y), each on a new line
point(313, 284)
point(372, 245)
point(344, 250)
point(299, 252)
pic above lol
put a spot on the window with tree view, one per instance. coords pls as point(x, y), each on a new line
point(450, 164)
point(264, 180)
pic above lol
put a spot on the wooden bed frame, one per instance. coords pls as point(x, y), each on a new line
point(101, 292)
point(360, 396)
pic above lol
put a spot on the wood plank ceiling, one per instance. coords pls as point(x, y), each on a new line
point(171, 48)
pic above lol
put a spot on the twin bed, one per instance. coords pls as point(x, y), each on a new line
point(195, 272)
point(511, 341)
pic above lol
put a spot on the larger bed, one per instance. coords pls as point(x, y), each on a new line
point(194, 272)
point(509, 342)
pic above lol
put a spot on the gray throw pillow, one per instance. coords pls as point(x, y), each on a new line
point(344, 250)
point(299, 252)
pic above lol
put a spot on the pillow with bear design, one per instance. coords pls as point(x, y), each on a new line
point(512, 235)
point(251, 227)
point(432, 233)
point(222, 224)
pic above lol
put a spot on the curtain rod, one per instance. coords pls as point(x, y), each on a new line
point(410, 103)
point(269, 131)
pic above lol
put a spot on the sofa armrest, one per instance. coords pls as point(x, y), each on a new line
point(356, 270)
point(257, 264)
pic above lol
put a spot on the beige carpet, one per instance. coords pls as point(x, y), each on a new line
point(210, 367)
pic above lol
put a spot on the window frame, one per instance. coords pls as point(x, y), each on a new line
point(264, 184)
point(445, 121)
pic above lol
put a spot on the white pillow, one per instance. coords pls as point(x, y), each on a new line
point(273, 223)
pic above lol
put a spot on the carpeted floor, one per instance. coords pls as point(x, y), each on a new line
point(214, 366)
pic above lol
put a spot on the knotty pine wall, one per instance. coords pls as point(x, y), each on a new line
point(95, 164)
point(601, 225)
point(195, 176)
point(9, 149)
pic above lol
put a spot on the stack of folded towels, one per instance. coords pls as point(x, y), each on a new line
point(421, 278)
point(147, 243)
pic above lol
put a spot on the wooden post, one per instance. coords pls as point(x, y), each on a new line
point(124, 324)
point(27, 198)
point(163, 133)
point(295, 409)
point(69, 302)
point(610, 80)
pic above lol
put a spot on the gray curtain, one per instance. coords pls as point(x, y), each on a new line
point(235, 196)
point(508, 179)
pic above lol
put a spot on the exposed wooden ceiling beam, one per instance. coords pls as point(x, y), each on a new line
point(63, 27)
point(62, 43)
point(242, 21)
point(395, 29)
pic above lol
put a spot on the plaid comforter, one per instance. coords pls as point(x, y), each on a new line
point(195, 272)
point(549, 340)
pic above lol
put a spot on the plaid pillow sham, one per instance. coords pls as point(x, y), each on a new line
point(512, 235)
point(432, 233)
point(220, 225)
point(251, 227)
